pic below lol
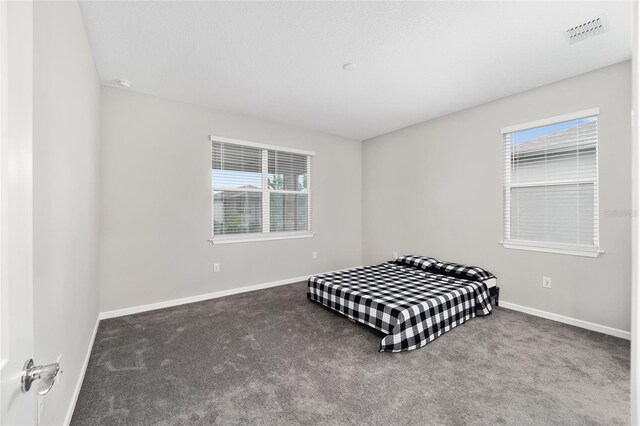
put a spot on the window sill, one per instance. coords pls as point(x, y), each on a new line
point(572, 251)
point(252, 239)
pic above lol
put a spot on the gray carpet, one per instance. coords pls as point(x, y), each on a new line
point(272, 357)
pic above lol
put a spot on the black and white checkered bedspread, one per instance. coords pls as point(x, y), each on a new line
point(411, 306)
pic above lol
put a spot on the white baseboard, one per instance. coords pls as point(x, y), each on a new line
point(567, 320)
point(198, 298)
point(201, 297)
point(76, 391)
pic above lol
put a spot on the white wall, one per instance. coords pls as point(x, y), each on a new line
point(156, 203)
point(436, 189)
point(16, 208)
point(66, 135)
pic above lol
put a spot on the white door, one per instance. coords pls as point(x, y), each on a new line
point(16, 230)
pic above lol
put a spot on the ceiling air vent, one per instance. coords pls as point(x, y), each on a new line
point(586, 30)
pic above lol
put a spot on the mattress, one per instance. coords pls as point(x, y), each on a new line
point(491, 282)
point(411, 306)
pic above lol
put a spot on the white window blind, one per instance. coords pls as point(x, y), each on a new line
point(259, 191)
point(551, 184)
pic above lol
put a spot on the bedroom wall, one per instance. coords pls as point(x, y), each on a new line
point(65, 197)
point(156, 203)
point(436, 189)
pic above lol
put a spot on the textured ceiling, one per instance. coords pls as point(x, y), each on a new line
point(282, 61)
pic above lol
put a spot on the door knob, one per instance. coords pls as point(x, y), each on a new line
point(46, 373)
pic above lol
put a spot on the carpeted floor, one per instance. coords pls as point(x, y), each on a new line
point(272, 357)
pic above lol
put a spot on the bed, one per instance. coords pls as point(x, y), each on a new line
point(412, 300)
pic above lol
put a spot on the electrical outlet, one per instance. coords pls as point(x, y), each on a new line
point(216, 267)
point(314, 255)
point(546, 282)
point(395, 255)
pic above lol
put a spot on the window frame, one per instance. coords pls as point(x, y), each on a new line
point(266, 234)
point(542, 246)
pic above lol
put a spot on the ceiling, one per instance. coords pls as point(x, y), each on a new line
point(282, 61)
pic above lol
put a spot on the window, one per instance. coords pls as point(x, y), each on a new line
point(551, 185)
point(259, 191)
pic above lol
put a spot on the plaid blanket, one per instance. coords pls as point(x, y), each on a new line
point(410, 305)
